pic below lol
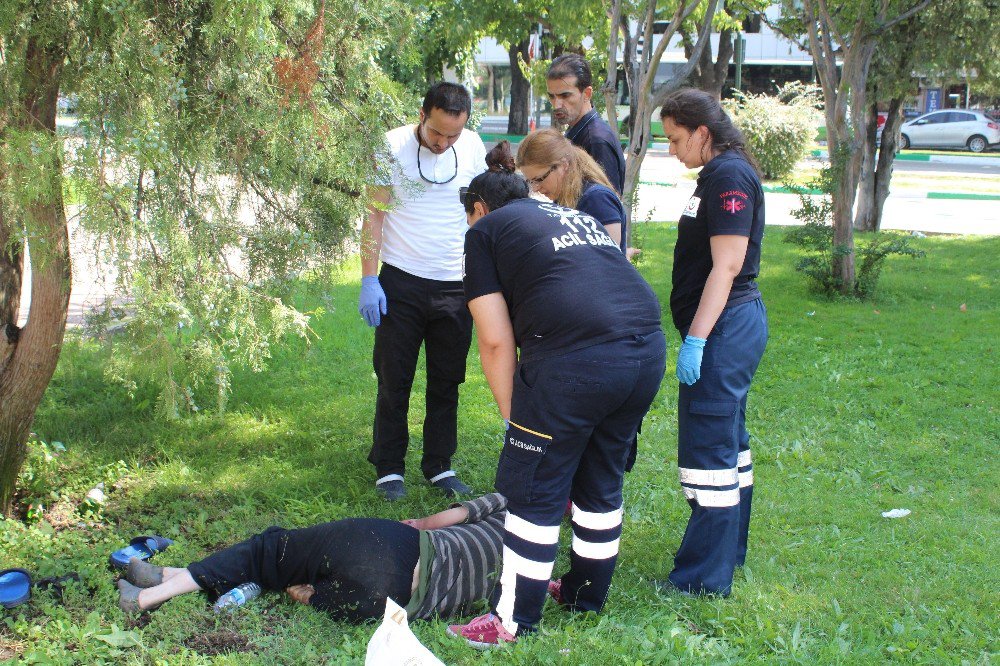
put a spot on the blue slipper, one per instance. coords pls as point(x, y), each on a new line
point(143, 547)
point(15, 587)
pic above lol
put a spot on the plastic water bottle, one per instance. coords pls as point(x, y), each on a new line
point(236, 597)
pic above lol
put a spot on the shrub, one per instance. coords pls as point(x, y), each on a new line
point(816, 237)
point(779, 130)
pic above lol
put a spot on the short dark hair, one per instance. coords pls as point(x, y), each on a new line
point(571, 64)
point(451, 98)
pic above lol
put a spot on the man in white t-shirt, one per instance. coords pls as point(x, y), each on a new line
point(417, 227)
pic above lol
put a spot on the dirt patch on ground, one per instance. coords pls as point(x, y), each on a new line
point(218, 642)
point(10, 648)
point(138, 621)
point(62, 515)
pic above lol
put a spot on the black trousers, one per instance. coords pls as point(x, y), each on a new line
point(353, 564)
point(434, 314)
point(573, 419)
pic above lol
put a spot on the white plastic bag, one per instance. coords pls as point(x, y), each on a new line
point(393, 644)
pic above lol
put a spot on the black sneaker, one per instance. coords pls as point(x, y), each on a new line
point(391, 490)
point(452, 486)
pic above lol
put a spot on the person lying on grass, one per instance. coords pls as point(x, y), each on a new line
point(438, 565)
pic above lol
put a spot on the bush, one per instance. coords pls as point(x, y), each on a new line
point(779, 130)
point(816, 237)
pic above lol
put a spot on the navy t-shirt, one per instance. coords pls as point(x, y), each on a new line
point(602, 204)
point(728, 201)
point(597, 138)
point(566, 283)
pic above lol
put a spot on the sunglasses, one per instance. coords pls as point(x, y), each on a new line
point(468, 199)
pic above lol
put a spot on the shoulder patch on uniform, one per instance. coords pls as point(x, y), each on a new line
point(734, 201)
point(691, 209)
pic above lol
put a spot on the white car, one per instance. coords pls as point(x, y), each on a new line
point(954, 128)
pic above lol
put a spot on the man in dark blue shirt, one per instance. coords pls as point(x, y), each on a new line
point(569, 86)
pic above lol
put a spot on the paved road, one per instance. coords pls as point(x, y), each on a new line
point(907, 210)
point(902, 212)
point(906, 166)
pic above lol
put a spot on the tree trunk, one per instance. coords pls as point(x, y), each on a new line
point(11, 274)
point(610, 89)
point(887, 157)
point(844, 147)
point(864, 214)
point(27, 369)
point(490, 90)
point(711, 76)
point(842, 196)
point(520, 91)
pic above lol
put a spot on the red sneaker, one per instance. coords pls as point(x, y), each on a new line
point(483, 632)
point(555, 590)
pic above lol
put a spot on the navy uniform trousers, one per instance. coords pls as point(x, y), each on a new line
point(572, 422)
point(713, 457)
point(434, 314)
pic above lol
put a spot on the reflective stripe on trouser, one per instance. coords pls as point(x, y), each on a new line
point(596, 537)
point(529, 553)
point(572, 421)
point(713, 454)
point(744, 468)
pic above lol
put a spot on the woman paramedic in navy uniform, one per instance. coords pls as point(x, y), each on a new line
point(588, 371)
point(718, 311)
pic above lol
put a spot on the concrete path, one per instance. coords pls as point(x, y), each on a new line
point(906, 210)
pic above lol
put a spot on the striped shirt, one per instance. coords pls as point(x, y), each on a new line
point(459, 564)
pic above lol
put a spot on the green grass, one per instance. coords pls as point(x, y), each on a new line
point(857, 408)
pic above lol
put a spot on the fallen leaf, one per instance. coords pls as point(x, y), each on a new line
point(876, 312)
point(962, 307)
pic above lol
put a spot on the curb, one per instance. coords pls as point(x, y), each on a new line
point(992, 160)
point(960, 195)
point(967, 196)
point(782, 189)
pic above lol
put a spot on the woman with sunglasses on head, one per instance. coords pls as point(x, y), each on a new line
point(570, 177)
point(588, 371)
point(718, 311)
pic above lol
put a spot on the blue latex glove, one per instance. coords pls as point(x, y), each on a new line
point(372, 303)
point(689, 360)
